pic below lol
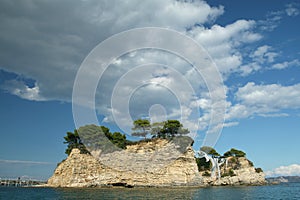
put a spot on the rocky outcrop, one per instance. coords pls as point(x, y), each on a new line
point(156, 163)
point(239, 171)
point(160, 163)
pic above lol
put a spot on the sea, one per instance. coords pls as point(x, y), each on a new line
point(281, 191)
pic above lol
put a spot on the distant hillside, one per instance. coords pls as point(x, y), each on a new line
point(283, 179)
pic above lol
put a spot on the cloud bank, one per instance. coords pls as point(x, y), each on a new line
point(44, 42)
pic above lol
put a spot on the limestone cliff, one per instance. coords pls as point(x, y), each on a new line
point(155, 163)
point(160, 163)
point(238, 171)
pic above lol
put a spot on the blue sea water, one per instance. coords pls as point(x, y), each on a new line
point(282, 191)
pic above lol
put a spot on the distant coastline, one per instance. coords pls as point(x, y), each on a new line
point(283, 179)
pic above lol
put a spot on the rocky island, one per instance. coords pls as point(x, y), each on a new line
point(159, 162)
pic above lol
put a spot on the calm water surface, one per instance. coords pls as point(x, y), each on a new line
point(282, 191)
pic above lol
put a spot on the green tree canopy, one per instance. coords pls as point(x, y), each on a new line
point(73, 140)
point(168, 129)
point(235, 153)
point(202, 164)
point(141, 127)
point(157, 129)
point(94, 137)
point(173, 128)
point(209, 150)
point(119, 140)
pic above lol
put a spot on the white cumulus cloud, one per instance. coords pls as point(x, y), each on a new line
point(269, 97)
point(223, 43)
point(264, 100)
point(19, 88)
point(292, 10)
point(286, 64)
point(290, 170)
point(46, 41)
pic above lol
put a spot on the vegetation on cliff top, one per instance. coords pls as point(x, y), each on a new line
point(235, 160)
point(166, 129)
point(73, 140)
point(92, 137)
point(232, 153)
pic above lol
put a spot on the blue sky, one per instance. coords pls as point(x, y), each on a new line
point(254, 44)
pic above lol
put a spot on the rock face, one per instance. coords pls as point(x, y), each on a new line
point(239, 171)
point(158, 164)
